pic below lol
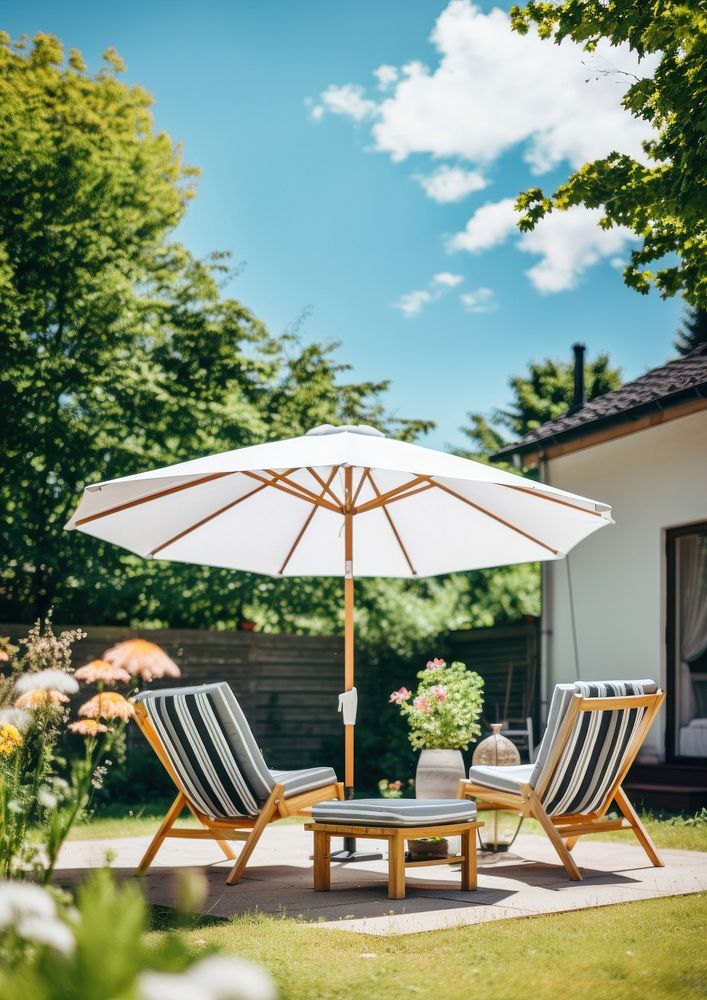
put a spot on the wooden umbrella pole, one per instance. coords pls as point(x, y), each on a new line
point(348, 627)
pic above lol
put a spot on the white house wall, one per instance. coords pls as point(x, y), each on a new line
point(654, 479)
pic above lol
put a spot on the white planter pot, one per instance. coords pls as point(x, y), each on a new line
point(438, 774)
point(437, 777)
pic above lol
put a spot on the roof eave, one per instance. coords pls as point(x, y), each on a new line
point(541, 444)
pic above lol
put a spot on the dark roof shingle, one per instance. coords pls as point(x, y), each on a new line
point(662, 386)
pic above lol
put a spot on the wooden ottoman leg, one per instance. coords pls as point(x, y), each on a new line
point(322, 861)
point(469, 862)
point(396, 866)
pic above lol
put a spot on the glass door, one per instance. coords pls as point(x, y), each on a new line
point(687, 641)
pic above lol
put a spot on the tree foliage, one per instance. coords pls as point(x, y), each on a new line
point(119, 351)
point(663, 200)
point(545, 393)
point(693, 332)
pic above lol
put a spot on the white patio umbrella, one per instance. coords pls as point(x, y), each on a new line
point(338, 501)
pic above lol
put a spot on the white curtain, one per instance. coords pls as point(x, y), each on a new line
point(693, 614)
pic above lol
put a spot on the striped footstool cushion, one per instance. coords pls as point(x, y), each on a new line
point(395, 812)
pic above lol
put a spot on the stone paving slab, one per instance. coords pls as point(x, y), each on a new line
point(528, 882)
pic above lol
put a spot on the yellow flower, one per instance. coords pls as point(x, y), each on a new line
point(38, 698)
point(88, 727)
point(10, 739)
point(108, 705)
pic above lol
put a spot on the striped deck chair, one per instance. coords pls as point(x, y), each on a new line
point(205, 743)
point(594, 731)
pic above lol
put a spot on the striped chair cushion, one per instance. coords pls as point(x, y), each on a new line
point(394, 812)
point(296, 782)
point(596, 749)
point(210, 745)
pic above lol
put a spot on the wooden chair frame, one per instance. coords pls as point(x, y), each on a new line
point(565, 830)
point(243, 828)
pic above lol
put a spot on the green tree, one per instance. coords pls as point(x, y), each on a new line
point(663, 201)
point(118, 350)
point(693, 332)
point(545, 393)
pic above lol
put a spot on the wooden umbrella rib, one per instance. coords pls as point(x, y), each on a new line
point(205, 520)
point(495, 517)
point(392, 494)
point(326, 486)
point(545, 496)
point(304, 527)
point(285, 478)
point(152, 496)
point(366, 474)
point(375, 504)
point(312, 498)
point(392, 526)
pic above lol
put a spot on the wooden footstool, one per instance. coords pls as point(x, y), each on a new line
point(395, 820)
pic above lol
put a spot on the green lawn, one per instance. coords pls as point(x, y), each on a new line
point(652, 949)
point(678, 832)
point(645, 950)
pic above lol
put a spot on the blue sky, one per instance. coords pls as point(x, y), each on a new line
point(311, 178)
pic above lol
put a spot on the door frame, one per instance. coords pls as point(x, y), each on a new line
point(671, 594)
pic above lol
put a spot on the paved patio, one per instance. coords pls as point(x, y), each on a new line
point(528, 882)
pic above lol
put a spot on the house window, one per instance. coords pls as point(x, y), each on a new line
point(687, 641)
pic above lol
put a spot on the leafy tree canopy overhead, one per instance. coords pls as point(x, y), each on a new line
point(663, 200)
point(545, 393)
point(119, 351)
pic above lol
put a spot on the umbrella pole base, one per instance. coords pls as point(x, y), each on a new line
point(349, 854)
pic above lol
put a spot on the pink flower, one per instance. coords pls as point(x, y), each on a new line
point(422, 705)
point(440, 692)
point(398, 697)
point(435, 664)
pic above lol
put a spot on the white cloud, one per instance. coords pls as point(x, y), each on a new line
point(386, 76)
point(447, 279)
point(568, 243)
point(489, 225)
point(448, 184)
point(481, 300)
point(412, 303)
point(493, 89)
point(347, 100)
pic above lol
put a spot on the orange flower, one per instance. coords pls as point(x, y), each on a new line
point(101, 671)
point(143, 659)
point(108, 705)
point(38, 698)
point(88, 727)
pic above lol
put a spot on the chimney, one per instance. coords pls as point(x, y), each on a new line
point(578, 399)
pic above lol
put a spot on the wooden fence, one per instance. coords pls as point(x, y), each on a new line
point(288, 684)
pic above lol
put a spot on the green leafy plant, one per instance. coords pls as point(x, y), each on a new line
point(51, 950)
point(443, 714)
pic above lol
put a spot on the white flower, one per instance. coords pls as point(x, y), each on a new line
point(22, 900)
point(167, 986)
point(52, 933)
point(46, 798)
point(225, 977)
point(47, 680)
point(218, 977)
point(16, 717)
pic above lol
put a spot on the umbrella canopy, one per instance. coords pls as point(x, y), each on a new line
point(338, 501)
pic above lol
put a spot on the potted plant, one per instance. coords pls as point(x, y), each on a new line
point(443, 718)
